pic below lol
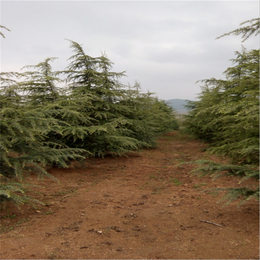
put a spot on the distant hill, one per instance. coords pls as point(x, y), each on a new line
point(178, 105)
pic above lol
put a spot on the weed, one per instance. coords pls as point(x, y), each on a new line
point(65, 192)
point(81, 180)
point(23, 220)
point(9, 216)
point(214, 193)
point(175, 181)
point(52, 255)
point(5, 229)
point(157, 190)
point(48, 212)
point(199, 185)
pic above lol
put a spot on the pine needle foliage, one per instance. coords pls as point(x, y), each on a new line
point(90, 114)
point(104, 131)
point(243, 194)
point(112, 117)
point(39, 85)
point(15, 192)
point(217, 170)
point(253, 27)
point(227, 116)
point(23, 148)
point(149, 116)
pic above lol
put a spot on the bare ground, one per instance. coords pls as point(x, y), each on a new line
point(144, 206)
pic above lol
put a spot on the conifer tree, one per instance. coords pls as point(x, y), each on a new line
point(227, 115)
point(43, 125)
point(39, 85)
point(149, 117)
point(91, 78)
point(23, 145)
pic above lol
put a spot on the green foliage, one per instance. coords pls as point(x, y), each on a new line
point(227, 116)
point(14, 191)
point(149, 117)
point(39, 86)
point(23, 144)
point(243, 194)
point(217, 170)
point(246, 31)
point(43, 125)
point(118, 119)
point(105, 130)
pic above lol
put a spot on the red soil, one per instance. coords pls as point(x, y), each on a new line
point(145, 205)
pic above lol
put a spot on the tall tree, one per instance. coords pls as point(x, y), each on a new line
point(91, 78)
point(227, 112)
point(227, 115)
point(39, 85)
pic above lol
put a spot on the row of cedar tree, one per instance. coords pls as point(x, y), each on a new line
point(93, 114)
point(90, 114)
point(227, 116)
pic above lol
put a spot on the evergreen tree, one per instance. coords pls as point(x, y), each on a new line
point(43, 125)
point(23, 145)
point(227, 113)
point(104, 131)
point(227, 116)
point(39, 85)
point(119, 119)
point(148, 116)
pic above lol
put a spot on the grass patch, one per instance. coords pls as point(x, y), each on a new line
point(4, 229)
point(48, 212)
point(199, 185)
point(65, 192)
point(8, 216)
point(175, 181)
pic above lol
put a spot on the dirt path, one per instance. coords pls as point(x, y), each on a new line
point(143, 206)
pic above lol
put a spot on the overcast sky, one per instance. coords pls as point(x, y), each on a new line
point(165, 45)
